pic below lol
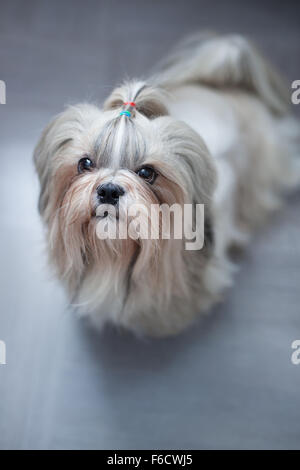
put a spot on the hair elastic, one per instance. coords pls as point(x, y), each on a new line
point(128, 107)
point(125, 113)
point(130, 103)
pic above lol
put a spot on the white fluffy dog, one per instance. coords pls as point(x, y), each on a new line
point(211, 127)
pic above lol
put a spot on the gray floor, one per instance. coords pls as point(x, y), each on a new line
point(229, 382)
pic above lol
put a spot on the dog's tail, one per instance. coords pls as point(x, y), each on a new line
point(224, 61)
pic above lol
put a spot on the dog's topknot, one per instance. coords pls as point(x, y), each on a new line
point(149, 100)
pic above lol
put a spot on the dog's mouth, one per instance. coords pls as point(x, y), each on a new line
point(106, 215)
point(106, 211)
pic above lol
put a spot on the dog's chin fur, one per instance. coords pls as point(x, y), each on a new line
point(214, 124)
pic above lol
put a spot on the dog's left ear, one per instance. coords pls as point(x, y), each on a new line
point(195, 167)
point(148, 100)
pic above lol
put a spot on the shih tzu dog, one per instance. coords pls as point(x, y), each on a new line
point(211, 127)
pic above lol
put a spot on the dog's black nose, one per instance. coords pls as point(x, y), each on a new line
point(109, 193)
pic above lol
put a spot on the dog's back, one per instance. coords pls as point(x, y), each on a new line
point(226, 90)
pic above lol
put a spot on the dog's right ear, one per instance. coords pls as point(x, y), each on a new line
point(50, 142)
point(41, 158)
point(58, 133)
point(149, 100)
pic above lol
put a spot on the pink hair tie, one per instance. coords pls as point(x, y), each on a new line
point(127, 108)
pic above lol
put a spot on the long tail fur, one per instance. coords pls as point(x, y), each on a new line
point(224, 61)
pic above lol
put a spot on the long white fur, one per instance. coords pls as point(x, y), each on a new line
point(215, 121)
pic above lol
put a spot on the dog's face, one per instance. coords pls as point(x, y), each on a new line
point(88, 159)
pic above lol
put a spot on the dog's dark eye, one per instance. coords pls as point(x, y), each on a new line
point(147, 173)
point(85, 164)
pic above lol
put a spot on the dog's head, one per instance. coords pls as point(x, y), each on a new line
point(89, 158)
